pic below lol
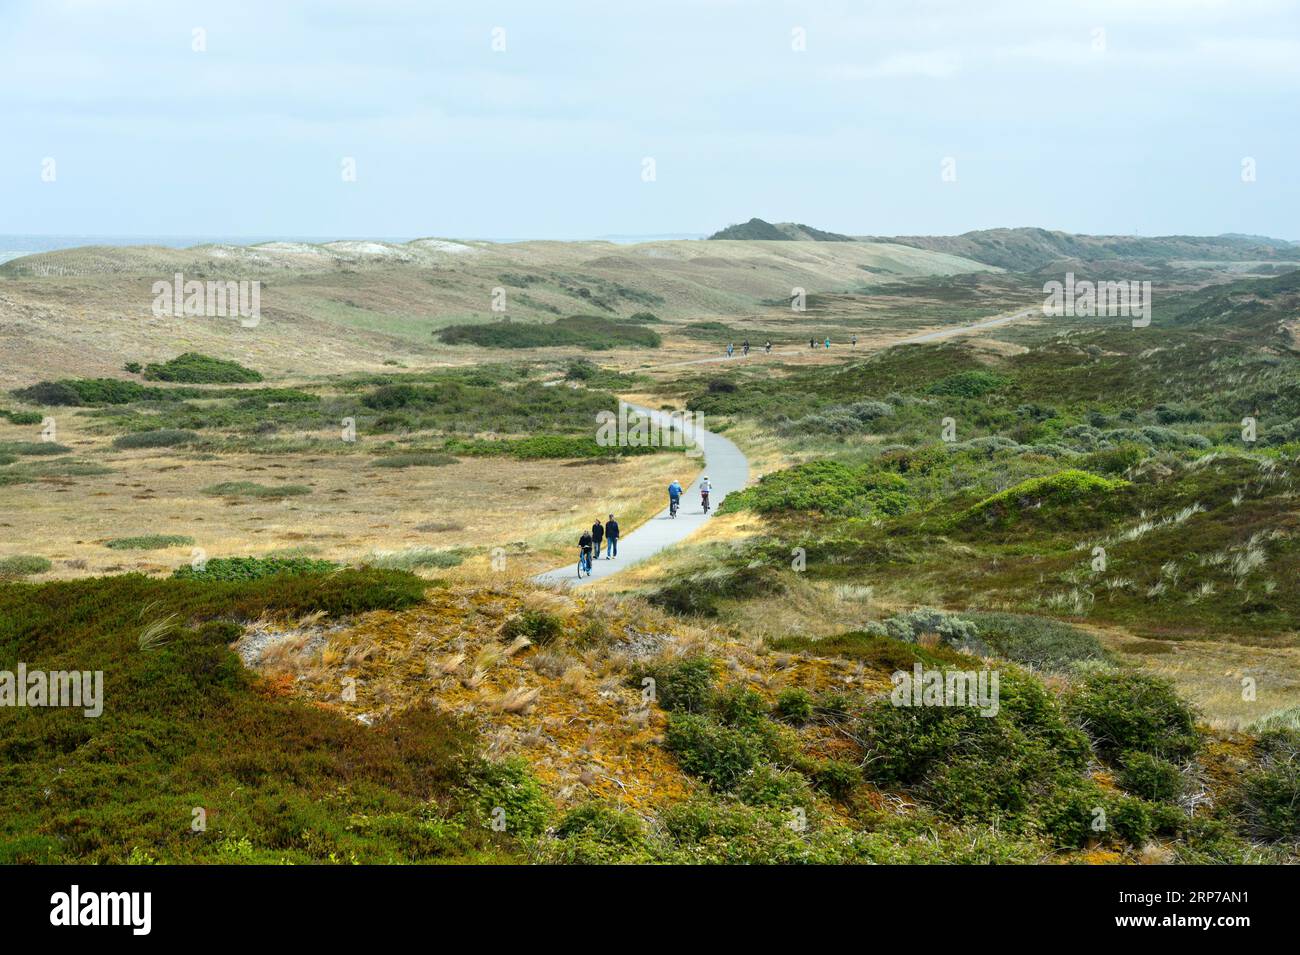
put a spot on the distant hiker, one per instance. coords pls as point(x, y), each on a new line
point(584, 551)
point(597, 535)
point(855, 341)
point(730, 348)
point(611, 538)
point(705, 488)
point(812, 343)
point(828, 341)
point(744, 348)
point(768, 348)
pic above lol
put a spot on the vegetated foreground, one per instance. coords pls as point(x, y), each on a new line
point(355, 668)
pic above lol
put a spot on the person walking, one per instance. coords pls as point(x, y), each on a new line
point(828, 341)
point(744, 348)
point(730, 348)
point(855, 341)
point(812, 343)
point(611, 538)
point(597, 535)
point(768, 347)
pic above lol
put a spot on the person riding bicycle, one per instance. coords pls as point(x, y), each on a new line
point(705, 488)
point(674, 495)
point(584, 551)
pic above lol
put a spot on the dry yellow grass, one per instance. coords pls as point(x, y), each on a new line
point(534, 510)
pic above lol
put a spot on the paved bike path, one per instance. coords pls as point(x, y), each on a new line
point(727, 469)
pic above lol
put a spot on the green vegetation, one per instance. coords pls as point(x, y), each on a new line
point(149, 542)
point(162, 438)
point(592, 332)
point(253, 489)
point(253, 568)
point(825, 487)
point(281, 780)
point(193, 368)
point(22, 565)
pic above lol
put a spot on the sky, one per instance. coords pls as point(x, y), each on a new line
point(570, 120)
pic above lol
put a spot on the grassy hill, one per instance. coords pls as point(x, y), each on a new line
point(1032, 249)
point(780, 232)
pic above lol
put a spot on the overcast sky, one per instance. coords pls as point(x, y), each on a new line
point(1113, 116)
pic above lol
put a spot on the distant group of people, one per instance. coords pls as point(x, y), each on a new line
point(744, 348)
point(590, 541)
point(767, 346)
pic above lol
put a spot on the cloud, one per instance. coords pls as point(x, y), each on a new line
point(933, 64)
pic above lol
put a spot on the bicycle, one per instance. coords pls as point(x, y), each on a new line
point(704, 499)
point(672, 507)
point(584, 563)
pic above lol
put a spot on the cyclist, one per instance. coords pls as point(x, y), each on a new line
point(705, 488)
point(584, 551)
point(674, 497)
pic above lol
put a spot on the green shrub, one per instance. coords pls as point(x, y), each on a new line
point(699, 594)
point(508, 794)
point(970, 384)
point(971, 766)
point(825, 487)
point(48, 394)
point(684, 685)
point(718, 754)
point(193, 368)
point(39, 449)
point(910, 626)
point(605, 824)
point(254, 568)
point(162, 438)
point(1068, 498)
point(1133, 712)
point(1270, 796)
point(740, 707)
point(149, 542)
point(540, 627)
point(794, 706)
point(132, 367)
point(835, 777)
point(766, 786)
point(22, 417)
point(22, 565)
point(1036, 641)
point(591, 332)
point(1150, 777)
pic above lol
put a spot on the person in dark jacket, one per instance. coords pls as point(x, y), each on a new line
point(584, 545)
point(597, 536)
point(611, 536)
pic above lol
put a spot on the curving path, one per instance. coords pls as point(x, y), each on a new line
point(727, 469)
